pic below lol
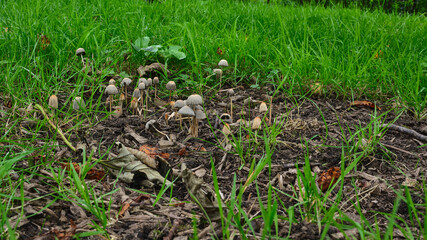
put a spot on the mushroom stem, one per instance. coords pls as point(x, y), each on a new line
point(146, 100)
point(170, 93)
point(111, 101)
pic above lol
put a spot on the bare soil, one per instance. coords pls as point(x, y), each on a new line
point(315, 127)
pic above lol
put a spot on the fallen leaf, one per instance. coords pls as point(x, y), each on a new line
point(130, 169)
point(153, 152)
point(92, 174)
point(182, 151)
point(328, 178)
point(364, 104)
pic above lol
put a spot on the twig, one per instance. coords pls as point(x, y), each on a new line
point(172, 231)
point(399, 149)
point(207, 229)
point(406, 131)
point(56, 128)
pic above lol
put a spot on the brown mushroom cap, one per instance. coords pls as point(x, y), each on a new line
point(141, 86)
point(263, 107)
point(112, 82)
point(136, 93)
point(218, 72)
point(187, 111)
point(223, 63)
point(179, 104)
point(149, 82)
point(80, 52)
point(200, 114)
point(194, 99)
point(111, 89)
point(53, 101)
point(171, 86)
point(156, 80)
point(256, 124)
point(226, 129)
point(125, 82)
point(78, 103)
point(142, 80)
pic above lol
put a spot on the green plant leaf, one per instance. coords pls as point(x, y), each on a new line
point(140, 43)
point(152, 48)
point(174, 51)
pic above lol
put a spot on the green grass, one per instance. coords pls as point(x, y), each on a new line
point(287, 47)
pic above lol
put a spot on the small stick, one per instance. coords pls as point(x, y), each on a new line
point(172, 231)
point(408, 131)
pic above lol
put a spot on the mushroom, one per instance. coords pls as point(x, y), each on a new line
point(263, 107)
point(226, 131)
point(78, 104)
point(118, 111)
point(155, 82)
point(147, 96)
point(193, 101)
point(111, 89)
point(179, 104)
point(136, 95)
point(218, 73)
point(256, 125)
point(141, 87)
point(187, 111)
point(171, 86)
point(230, 92)
point(124, 84)
point(223, 63)
point(134, 104)
point(121, 99)
point(80, 52)
point(53, 101)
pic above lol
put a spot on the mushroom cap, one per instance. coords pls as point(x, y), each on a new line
point(194, 99)
point(156, 80)
point(256, 124)
point(142, 80)
point(78, 103)
point(186, 110)
point(199, 107)
point(230, 91)
point(125, 82)
point(112, 82)
point(53, 101)
point(223, 63)
point(179, 104)
point(171, 86)
point(200, 114)
point(136, 93)
point(134, 103)
point(141, 86)
point(122, 97)
point(149, 82)
point(80, 52)
point(218, 72)
point(111, 89)
point(263, 107)
point(226, 129)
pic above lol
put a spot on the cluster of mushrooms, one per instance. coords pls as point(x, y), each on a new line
point(191, 108)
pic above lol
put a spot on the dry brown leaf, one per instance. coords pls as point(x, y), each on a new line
point(153, 152)
point(364, 104)
point(92, 174)
point(328, 178)
point(219, 51)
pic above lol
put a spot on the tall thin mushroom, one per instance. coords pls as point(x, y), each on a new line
point(171, 86)
point(111, 90)
point(155, 83)
point(124, 84)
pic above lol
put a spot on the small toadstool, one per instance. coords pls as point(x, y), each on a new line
point(155, 83)
point(111, 89)
point(171, 86)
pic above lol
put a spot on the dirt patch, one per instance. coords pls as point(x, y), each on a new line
point(318, 129)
